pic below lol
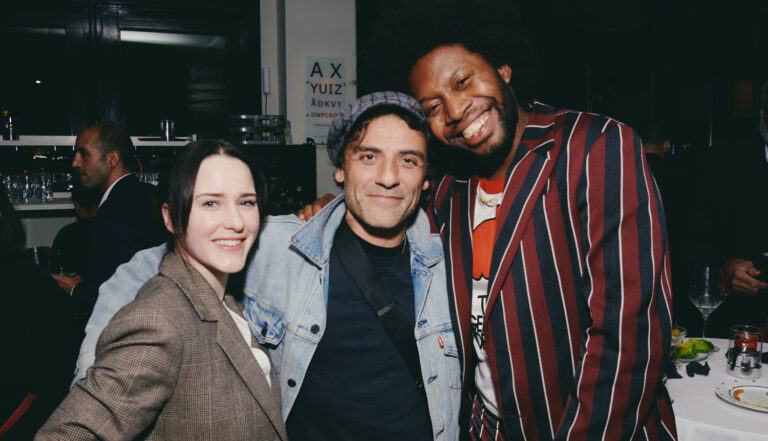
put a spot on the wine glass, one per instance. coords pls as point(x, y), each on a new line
point(706, 292)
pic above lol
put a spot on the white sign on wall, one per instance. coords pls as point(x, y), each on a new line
point(326, 94)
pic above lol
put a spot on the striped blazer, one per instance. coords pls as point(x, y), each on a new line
point(578, 319)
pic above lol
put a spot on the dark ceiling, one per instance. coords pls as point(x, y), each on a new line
point(690, 63)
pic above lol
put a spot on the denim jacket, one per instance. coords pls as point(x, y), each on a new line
point(286, 295)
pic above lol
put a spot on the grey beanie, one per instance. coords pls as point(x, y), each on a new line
point(341, 125)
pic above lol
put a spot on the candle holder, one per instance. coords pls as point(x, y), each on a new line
point(745, 350)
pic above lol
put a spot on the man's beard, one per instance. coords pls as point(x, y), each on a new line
point(764, 126)
point(488, 164)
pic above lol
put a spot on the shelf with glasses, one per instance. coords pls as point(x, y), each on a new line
point(55, 205)
point(39, 156)
point(290, 171)
point(69, 141)
point(61, 202)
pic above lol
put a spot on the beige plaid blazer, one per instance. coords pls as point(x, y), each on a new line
point(171, 365)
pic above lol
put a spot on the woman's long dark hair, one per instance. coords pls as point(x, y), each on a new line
point(12, 235)
point(180, 187)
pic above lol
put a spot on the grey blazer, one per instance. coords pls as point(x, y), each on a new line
point(171, 365)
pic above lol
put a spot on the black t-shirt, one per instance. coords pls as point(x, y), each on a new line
point(357, 387)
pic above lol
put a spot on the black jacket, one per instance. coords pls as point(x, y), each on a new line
point(73, 243)
point(127, 222)
point(735, 187)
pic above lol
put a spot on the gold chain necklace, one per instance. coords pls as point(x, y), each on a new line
point(487, 199)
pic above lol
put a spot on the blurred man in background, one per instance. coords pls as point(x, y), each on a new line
point(127, 216)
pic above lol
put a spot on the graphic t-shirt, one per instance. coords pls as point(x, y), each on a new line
point(487, 204)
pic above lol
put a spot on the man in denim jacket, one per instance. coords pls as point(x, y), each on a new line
point(341, 376)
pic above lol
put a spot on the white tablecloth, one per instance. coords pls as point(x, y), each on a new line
point(702, 416)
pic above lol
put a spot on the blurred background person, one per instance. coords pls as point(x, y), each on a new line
point(35, 335)
point(73, 241)
point(127, 218)
point(732, 223)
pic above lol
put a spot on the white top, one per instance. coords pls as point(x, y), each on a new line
point(106, 193)
point(245, 331)
point(701, 416)
point(483, 380)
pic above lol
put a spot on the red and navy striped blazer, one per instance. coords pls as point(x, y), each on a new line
point(579, 313)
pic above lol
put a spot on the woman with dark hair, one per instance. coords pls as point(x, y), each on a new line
point(35, 335)
point(180, 362)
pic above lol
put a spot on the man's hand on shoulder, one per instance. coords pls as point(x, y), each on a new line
point(739, 275)
point(67, 283)
point(310, 210)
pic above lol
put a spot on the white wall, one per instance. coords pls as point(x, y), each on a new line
point(272, 27)
point(319, 28)
point(42, 230)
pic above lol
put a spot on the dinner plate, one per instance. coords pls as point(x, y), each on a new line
point(744, 393)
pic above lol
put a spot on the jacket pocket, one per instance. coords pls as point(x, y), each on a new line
point(267, 323)
point(451, 358)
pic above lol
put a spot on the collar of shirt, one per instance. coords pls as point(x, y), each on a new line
point(106, 193)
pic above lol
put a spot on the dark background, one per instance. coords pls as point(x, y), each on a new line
point(696, 65)
point(87, 74)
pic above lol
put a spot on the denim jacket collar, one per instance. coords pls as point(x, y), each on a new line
point(325, 223)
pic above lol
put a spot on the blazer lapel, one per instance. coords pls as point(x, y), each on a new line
point(210, 308)
point(457, 239)
point(524, 185)
point(237, 307)
point(233, 344)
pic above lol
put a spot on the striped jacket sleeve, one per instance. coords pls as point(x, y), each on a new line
point(625, 267)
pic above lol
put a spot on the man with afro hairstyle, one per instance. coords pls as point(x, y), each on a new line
point(553, 233)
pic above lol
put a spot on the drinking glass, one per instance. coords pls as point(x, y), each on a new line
point(27, 190)
point(13, 184)
point(166, 129)
point(706, 292)
point(34, 188)
point(8, 184)
point(46, 187)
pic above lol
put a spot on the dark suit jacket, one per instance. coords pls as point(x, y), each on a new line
point(735, 182)
point(171, 365)
point(70, 243)
point(127, 222)
point(740, 206)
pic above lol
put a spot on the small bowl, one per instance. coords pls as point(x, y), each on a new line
point(678, 335)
